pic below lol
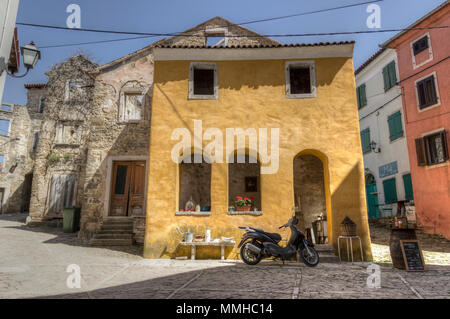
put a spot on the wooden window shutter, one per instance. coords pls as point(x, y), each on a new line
point(386, 78)
point(432, 92)
point(365, 140)
point(392, 74)
point(395, 126)
point(420, 151)
point(363, 94)
point(358, 96)
point(444, 145)
point(407, 183)
point(390, 191)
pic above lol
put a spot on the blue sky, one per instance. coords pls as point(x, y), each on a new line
point(178, 15)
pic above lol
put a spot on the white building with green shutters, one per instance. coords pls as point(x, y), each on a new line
point(382, 125)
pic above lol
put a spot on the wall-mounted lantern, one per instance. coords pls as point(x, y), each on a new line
point(30, 54)
point(373, 146)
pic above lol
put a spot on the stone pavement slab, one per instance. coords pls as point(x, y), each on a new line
point(33, 264)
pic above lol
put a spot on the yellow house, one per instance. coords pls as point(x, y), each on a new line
point(288, 111)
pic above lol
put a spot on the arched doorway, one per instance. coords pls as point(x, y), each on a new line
point(372, 196)
point(309, 194)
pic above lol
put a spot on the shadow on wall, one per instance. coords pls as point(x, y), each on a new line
point(18, 201)
point(347, 197)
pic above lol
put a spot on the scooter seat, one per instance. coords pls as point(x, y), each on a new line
point(276, 237)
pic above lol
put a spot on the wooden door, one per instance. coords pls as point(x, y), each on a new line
point(137, 190)
point(372, 200)
point(128, 189)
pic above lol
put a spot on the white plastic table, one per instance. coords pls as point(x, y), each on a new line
point(220, 244)
point(349, 240)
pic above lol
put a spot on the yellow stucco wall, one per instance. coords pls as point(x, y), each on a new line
point(252, 95)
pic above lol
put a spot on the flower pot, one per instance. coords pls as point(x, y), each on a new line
point(243, 208)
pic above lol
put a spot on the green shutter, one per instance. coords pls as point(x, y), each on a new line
point(390, 191)
point(395, 126)
point(392, 74)
point(362, 89)
point(365, 140)
point(386, 78)
point(389, 76)
point(408, 187)
point(361, 95)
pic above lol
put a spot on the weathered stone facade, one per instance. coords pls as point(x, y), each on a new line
point(63, 138)
point(18, 150)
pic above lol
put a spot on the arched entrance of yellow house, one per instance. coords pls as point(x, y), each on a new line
point(310, 196)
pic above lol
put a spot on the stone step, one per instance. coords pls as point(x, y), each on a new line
point(111, 242)
point(114, 231)
point(113, 236)
point(324, 247)
point(113, 221)
point(122, 227)
point(328, 258)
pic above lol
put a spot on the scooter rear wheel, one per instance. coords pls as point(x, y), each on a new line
point(249, 257)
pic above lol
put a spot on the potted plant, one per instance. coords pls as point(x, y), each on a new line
point(243, 204)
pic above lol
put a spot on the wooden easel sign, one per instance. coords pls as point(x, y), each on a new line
point(412, 255)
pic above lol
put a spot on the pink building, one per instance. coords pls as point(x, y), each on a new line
point(424, 69)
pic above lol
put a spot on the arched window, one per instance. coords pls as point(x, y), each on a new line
point(195, 182)
point(309, 190)
point(244, 180)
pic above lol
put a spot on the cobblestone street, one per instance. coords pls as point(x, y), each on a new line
point(33, 263)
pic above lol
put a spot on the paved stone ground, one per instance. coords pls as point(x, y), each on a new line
point(33, 263)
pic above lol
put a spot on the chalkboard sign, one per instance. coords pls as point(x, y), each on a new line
point(412, 255)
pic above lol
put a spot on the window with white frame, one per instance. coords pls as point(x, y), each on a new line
point(2, 162)
point(300, 79)
point(421, 51)
point(132, 105)
point(203, 81)
point(427, 92)
point(4, 127)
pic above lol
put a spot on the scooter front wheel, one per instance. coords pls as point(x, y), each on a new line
point(309, 256)
point(249, 257)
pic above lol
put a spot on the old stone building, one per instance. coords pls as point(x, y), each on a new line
point(61, 152)
point(19, 134)
point(94, 141)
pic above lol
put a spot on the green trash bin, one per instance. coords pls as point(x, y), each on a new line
point(71, 219)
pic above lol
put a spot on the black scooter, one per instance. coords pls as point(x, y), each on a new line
point(257, 244)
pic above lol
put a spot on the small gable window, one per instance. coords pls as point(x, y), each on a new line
point(203, 81)
point(300, 79)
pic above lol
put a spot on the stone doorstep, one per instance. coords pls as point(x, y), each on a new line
point(113, 236)
point(111, 242)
